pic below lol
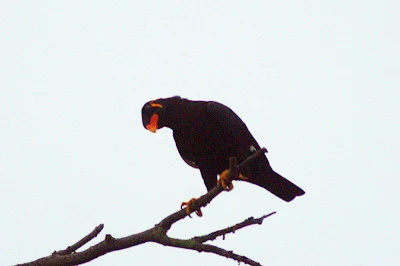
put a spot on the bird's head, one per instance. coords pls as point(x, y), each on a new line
point(155, 113)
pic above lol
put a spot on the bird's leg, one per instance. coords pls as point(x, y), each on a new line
point(191, 207)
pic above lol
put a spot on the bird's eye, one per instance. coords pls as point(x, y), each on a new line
point(147, 110)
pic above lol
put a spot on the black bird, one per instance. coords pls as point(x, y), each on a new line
point(207, 134)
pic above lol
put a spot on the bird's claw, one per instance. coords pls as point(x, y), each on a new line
point(242, 177)
point(224, 182)
point(191, 208)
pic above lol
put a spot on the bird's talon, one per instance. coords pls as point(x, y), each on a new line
point(243, 177)
point(191, 208)
point(199, 212)
point(224, 182)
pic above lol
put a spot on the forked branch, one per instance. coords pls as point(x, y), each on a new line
point(158, 234)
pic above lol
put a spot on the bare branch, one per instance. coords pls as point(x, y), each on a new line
point(204, 200)
point(231, 229)
point(157, 234)
point(81, 242)
point(109, 244)
point(200, 247)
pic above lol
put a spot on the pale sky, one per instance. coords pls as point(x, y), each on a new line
point(316, 82)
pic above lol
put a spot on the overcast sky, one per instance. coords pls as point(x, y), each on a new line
point(316, 82)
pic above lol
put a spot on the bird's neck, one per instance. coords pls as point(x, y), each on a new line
point(184, 114)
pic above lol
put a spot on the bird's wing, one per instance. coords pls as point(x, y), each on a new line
point(184, 153)
point(231, 123)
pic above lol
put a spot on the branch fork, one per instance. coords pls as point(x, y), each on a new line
point(158, 233)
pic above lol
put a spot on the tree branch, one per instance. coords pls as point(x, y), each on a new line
point(158, 234)
point(80, 243)
point(232, 229)
point(200, 247)
point(204, 200)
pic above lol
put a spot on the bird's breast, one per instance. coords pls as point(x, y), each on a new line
point(204, 146)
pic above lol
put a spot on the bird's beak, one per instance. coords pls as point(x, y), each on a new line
point(153, 125)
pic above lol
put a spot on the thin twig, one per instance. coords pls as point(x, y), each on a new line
point(231, 229)
point(200, 247)
point(81, 242)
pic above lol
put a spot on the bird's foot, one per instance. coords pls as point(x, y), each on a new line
point(190, 207)
point(224, 182)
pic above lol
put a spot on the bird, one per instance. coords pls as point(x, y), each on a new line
point(207, 134)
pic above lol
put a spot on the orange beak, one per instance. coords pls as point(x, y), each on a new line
point(153, 126)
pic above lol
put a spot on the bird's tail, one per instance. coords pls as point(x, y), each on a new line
point(278, 185)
